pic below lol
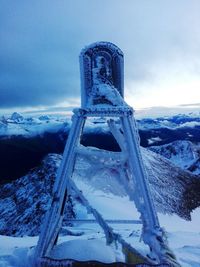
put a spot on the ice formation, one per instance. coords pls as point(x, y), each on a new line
point(102, 95)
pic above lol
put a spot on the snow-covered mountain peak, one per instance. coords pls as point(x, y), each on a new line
point(16, 117)
point(183, 153)
point(27, 126)
point(44, 118)
point(24, 202)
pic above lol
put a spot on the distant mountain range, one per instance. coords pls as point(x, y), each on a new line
point(171, 157)
point(25, 139)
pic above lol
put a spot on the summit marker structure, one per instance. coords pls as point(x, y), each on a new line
point(102, 95)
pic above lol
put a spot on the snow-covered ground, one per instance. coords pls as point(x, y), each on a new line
point(183, 238)
point(88, 242)
point(182, 153)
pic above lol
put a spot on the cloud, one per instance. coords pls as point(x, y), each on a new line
point(41, 41)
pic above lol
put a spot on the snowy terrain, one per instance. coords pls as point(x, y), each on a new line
point(22, 215)
point(174, 179)
point(183, 238)
point(184, 154)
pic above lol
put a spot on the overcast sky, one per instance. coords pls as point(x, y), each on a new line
point(40, 42)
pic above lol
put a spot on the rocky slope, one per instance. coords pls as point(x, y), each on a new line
point(24, 202)
point(183, 153)
point(174, 190)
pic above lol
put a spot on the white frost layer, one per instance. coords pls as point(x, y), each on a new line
point(175, 223)
point(15, 251)
point(8, 244)
point(84, 250)
point(183, 237)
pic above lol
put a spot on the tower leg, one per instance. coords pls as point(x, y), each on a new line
point(152, 233)
point(54, 216)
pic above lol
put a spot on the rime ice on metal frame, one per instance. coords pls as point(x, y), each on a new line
point(102, 72)
point(102, 95)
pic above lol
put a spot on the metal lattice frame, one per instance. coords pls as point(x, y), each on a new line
point(126, 134)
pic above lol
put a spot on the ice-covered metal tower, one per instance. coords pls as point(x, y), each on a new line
point(102, 95)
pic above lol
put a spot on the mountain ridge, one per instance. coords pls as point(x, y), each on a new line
point(24, 202)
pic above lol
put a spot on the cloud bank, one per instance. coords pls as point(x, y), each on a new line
point(41, 41)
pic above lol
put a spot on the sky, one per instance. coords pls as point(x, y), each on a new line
point(40, 42)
